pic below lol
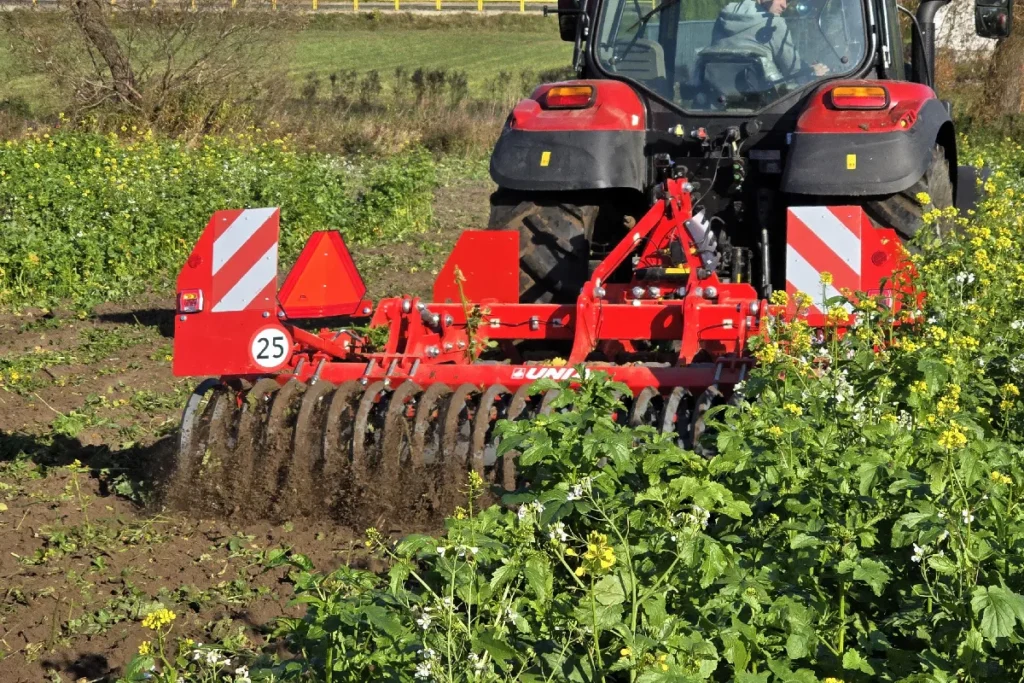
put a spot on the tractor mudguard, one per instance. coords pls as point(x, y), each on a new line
point(867, 153)
point(569, 160)
point(597, 145)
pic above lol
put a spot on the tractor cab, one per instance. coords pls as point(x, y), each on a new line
point(762, 105)
point(740, 56)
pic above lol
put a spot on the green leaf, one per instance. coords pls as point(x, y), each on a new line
point(942, 564)
point(139, 669)
point(609, 591)
point(539, 576)
point(803, 541)
point(798, 645)
point(382, 620)
point(500, 651)
point(1000, 609)
point(503, 575)
point(654, 609)
point(713, 565)
point(745, 677)
point(935, 373)
point(853, 661)
point(873, 573)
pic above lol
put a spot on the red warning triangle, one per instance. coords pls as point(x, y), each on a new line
point(324, 280)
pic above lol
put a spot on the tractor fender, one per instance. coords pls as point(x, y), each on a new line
point(867, 152)
point(593, 147)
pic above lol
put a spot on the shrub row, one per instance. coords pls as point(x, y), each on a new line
point(90, 218)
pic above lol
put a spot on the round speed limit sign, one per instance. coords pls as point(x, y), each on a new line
point(270, 347)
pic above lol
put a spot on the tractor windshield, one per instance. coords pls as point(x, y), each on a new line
point(730, 55)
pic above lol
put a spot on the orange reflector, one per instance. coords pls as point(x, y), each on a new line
point(190, 301)
point(860, 97)
point(324, 280)
point(569, 97)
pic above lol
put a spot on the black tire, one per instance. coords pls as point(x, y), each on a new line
point(554, 243)
point(902, 211)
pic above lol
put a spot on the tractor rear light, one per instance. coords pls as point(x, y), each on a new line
point(569, 97)
point(860, 97)
point(190, 301)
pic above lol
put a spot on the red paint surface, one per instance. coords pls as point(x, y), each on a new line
point(615, 105)
point(905, 102)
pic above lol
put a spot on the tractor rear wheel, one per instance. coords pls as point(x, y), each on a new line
point(554, 242)
point(902, 211)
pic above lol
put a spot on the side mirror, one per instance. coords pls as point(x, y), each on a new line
point(568, 19)
point(993, 18)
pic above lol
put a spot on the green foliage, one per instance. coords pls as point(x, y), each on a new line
point(92, 218)
point(859, 520)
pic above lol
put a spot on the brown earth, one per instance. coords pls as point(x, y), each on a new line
point(88, 413)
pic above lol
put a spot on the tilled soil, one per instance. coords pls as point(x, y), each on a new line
point(88, 414)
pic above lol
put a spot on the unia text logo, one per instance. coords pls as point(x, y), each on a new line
point(541, 372)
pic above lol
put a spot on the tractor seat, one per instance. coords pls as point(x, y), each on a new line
point(735, 78)
point(643, 62)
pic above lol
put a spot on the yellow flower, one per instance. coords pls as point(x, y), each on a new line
point(599, 554)
point(837, 315)
point(920, 386)
point(158, 619)
point(779, 298)
point(1011, 390)
point(923, 198)
point(580, 571)
point(1000, 478)
point(625, 652)
point(768, 353)
point(793, 409)
point(837, 680)
point(826, 278)
point(953, 437)
point(145, 648)
point(775, 431)
point(570, 552)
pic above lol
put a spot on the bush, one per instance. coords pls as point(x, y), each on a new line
point(92, 218)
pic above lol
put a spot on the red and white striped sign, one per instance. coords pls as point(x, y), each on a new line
point(244, 264)
point(823, 239)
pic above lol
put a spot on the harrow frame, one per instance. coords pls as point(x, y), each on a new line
point(329, 405)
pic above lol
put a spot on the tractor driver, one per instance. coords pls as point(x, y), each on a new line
point(757, 26)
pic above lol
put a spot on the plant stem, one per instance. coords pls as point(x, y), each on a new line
point(842, 618)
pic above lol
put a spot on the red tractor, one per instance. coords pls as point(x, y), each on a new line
point(710, 154)
point(763, 105)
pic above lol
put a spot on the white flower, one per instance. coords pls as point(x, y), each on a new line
point(424, 621)
point(522, 512)
point(538, 507)
point(698, 517)
point(1017, 324)
point(942, 515)
point(477, 663)
point(423, 669)
point(428, 653)
point(447, 602)
point(440, 550)
point(473, 550)
point(242, 671)
point(968, 517)
point(918, 553)
point(213, 658)
point(575, 493)
point(932, 320)
point(557, 532)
